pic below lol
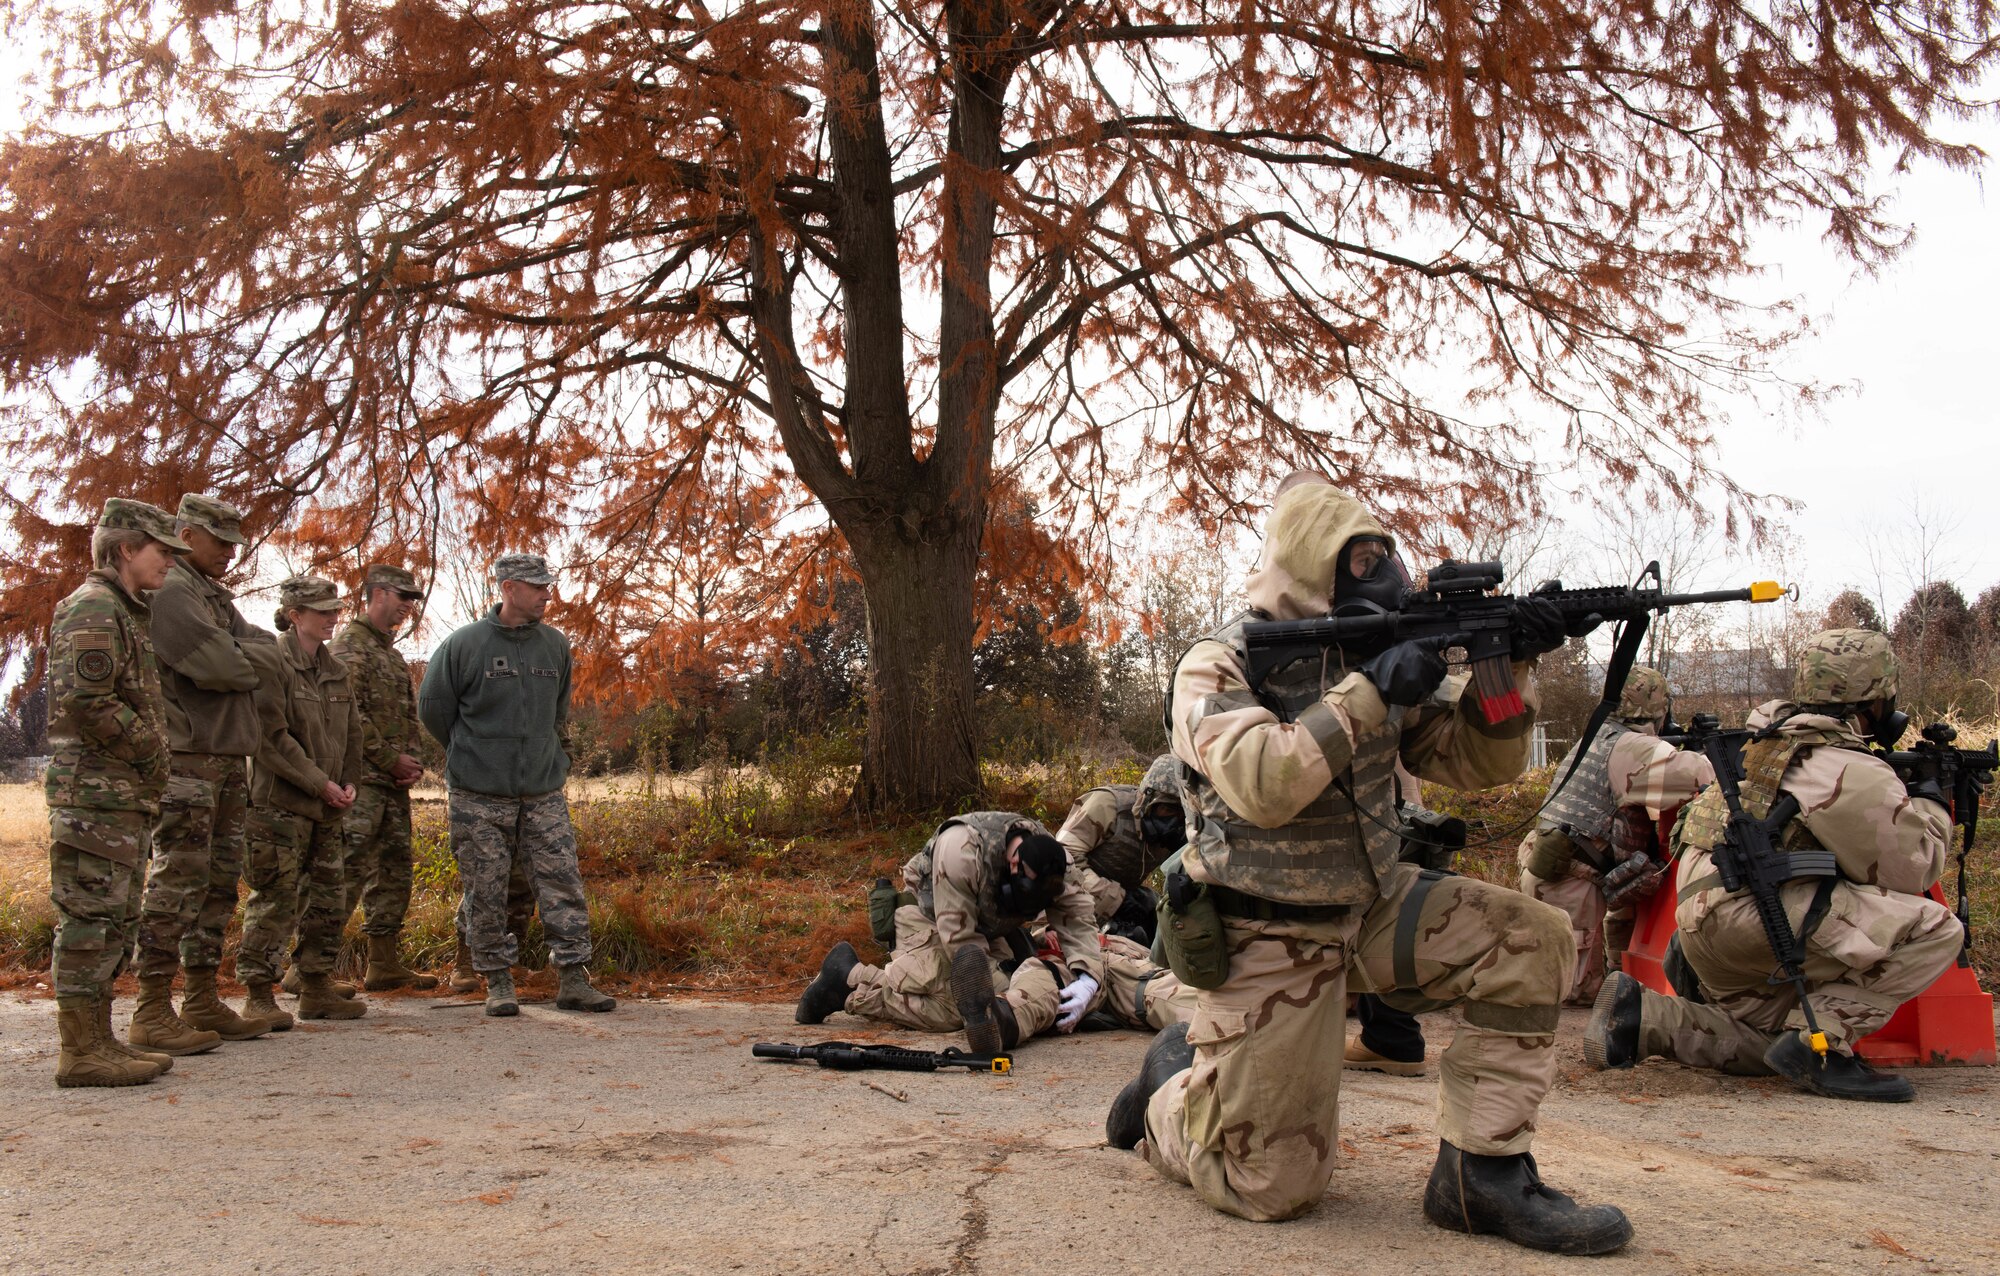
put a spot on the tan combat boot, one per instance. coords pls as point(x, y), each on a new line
point(164, 1062)
point(463, 977)
point(318, 999)
point(386, 971)
point(291, 984)
point(201, 1007)
point(261, 1004)
point(86, 1060)
point(155, 1026)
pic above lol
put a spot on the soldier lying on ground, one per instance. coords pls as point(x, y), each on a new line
point(963, 958)
point(1872, 938)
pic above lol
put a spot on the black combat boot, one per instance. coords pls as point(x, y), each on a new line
point(1611, 1039)
point(828, 991)
point(990, 1026)
point(1168, 1054)
point(1504, 1195)
point(1837, 1076)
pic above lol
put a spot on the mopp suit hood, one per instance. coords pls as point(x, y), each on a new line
point(1302, 542)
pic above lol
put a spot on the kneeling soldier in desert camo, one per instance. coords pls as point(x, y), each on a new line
point(108, 767)
point(1872, 938)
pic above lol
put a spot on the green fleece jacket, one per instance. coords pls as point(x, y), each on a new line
point(497, 698)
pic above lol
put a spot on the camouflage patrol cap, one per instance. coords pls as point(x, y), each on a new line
point(137, 516)
point(1845, 666)
point(381, 575)
point(1645, 696)
point(315, 592)
point(531, 569)
point(217, 517)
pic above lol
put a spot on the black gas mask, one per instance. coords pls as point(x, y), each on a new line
point(1889, 723)
point(1164, 827)
point(1369, 577)
point(1036, 878)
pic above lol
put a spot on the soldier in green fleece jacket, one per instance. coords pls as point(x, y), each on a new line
point(496, 696)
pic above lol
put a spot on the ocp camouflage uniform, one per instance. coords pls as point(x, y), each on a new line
point(1293, 828)
point(1108, 852)
point(107, 769)
point(1610, 808)
point(311, 736)
point(956, 879)
point(208, 683)
point(1878, 939)
point(378, 870)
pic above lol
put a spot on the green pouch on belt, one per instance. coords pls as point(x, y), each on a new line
point(1190, 929)
point(883, 901)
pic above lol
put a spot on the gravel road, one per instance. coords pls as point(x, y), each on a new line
point(425, 1139)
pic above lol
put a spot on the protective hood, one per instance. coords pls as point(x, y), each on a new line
point(1302, 542)
point(1796, 723)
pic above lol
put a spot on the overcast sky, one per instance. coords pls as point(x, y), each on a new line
point(1919, 346)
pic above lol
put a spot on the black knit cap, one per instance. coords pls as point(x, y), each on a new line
point(1043, 856)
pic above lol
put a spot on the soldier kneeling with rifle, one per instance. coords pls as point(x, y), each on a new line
point(1812, 851)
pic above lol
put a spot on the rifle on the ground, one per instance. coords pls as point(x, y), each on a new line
point(1748, 857)
point(1457, 600)
point(849, 1057)
point(1961, 775)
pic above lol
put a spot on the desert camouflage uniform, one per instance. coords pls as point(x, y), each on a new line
point(956, 878)
point(1108, 854)
point(1138, 993)
point(108, 766)
point(311, 737)
point(377, 874)
point(1252, 1125)
point(1643, 777)
point(208, 681)
point(1881, 940)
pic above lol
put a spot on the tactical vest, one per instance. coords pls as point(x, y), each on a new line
point(1344, 841)
point(1706, 820)
point(1584, 805)
point(991, 829)
point(1123, 855)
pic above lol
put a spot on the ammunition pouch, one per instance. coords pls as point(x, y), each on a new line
point(1551, 855)
point(1190, 930)
point(883, 901)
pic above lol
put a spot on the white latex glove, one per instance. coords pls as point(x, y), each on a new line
point(1075, 1000)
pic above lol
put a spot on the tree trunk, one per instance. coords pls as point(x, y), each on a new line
point(921, 752)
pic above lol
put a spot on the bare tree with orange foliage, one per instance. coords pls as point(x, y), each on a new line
point(561, 266)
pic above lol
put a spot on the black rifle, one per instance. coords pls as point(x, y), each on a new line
point(1458, 601)
point(1748, 858)
point(848, 1057)
point(1960, 775)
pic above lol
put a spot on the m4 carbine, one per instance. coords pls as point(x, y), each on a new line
point(1961, 775)
point(1458, 600)
point(849, 1057)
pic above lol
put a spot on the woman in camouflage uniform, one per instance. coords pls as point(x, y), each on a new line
point(307, 761)
point(108, 737)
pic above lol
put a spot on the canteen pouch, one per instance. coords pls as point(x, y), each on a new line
point(1190, 930)
point(883, 901)
point(1551, 855)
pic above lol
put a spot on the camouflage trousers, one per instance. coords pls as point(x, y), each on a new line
point(190, 890)
point(96, 899)
point(291, 858)
point(1874, 950)
point(487, 834)
point(1601, 934)
point(1139, 994)
point(1253, 1125)
point(377, 872)
point(914, 989)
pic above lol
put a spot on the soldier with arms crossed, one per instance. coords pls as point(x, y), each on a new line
point(1872, 938)
point(108, 767)
point(1297, 845)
